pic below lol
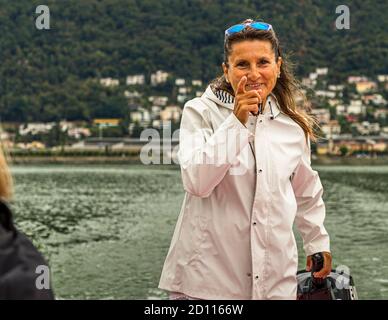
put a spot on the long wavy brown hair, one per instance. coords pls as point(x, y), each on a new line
point(6, 189)
point(287, 89)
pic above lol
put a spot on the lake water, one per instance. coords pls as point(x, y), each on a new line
point(105, 230)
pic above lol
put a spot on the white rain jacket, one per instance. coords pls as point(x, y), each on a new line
point(234, 235)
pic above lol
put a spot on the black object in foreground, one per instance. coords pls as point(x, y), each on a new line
point(338, 285)
point(20, 263)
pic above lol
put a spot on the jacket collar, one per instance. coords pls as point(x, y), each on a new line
point(225, 99)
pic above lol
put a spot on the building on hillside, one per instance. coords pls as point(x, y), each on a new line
point(366, 86)
point(109, 82)
point(172, 113)
point(196, 83)
point(159, 77)
point(35, 128)
point(114, 122)
point(331, 129)
point(180, 82)
point(136, 79)
point(322, 115)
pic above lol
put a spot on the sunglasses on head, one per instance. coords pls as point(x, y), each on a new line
point(255, 25)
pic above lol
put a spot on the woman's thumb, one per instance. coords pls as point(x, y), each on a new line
point(309, 263)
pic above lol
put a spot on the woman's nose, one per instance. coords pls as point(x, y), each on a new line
point(254, 74)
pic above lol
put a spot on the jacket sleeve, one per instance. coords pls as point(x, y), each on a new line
point(205, 155)
point(311, 208)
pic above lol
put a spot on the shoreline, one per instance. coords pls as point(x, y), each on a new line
point(135, 160)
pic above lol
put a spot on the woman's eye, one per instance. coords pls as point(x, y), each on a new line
point(263, 62)
point(241, 64)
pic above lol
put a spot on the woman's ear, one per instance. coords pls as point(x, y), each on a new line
point(225, 69)
point(279, 64)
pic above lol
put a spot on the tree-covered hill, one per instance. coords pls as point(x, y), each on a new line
point(50, 74)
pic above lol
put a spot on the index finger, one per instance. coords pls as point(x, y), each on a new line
point(241, 85)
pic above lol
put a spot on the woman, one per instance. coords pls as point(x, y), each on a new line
point(234, 238)
point(5, 179)
point(19, 259)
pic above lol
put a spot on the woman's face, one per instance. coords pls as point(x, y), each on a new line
point(254, 59)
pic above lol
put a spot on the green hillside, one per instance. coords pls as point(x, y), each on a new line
point(49, 75)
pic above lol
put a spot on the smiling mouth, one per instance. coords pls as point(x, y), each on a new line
point(255, 86)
